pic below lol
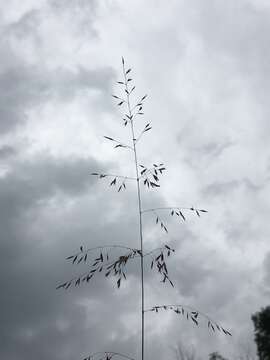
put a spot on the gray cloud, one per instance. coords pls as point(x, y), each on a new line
point(25, 87)
point(36, 320)
point(26, 84)
point(267, 272)
point(7, 151)
point(40, 321)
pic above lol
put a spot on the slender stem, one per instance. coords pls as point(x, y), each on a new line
point(140, 213)
point(141, 238)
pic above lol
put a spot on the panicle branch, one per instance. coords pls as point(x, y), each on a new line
point(190, 313)
point(174, 211)
point(106, 355)
point(116, 267)
point(119, 144)
point(118, 181)
point(102, 263)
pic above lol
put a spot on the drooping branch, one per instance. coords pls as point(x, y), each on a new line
point(163, 248)
point(116, 267)
point(102, 263)
point(118, 180)
point(176, 210)
point(119, 144)
point(190, 313)
point(107, 355)
point(102, 175)
point(85, 251)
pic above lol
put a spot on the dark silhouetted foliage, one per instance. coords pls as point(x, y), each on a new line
point(261, 322)
point(216, 356)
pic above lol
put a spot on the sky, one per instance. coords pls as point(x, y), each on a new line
point(205, 68)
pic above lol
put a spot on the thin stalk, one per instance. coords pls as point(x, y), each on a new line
point(139, 211)
point(115, 175)
point(141, 237)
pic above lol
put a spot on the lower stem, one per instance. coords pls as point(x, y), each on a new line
point(141, 243)
point(142, 271)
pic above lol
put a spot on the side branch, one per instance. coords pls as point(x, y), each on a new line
point(174, 209)
point(190, 313)
point(100, 264)
point(82, 251)
point(163, 248)
point(119, 144)
point(146, 128)
point(107, 355)
point(121, 183)
point(113, 175)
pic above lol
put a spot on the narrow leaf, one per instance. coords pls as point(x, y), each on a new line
point(180, 212)
point(109, 138)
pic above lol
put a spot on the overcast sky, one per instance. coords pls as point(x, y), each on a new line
point(205, 66)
